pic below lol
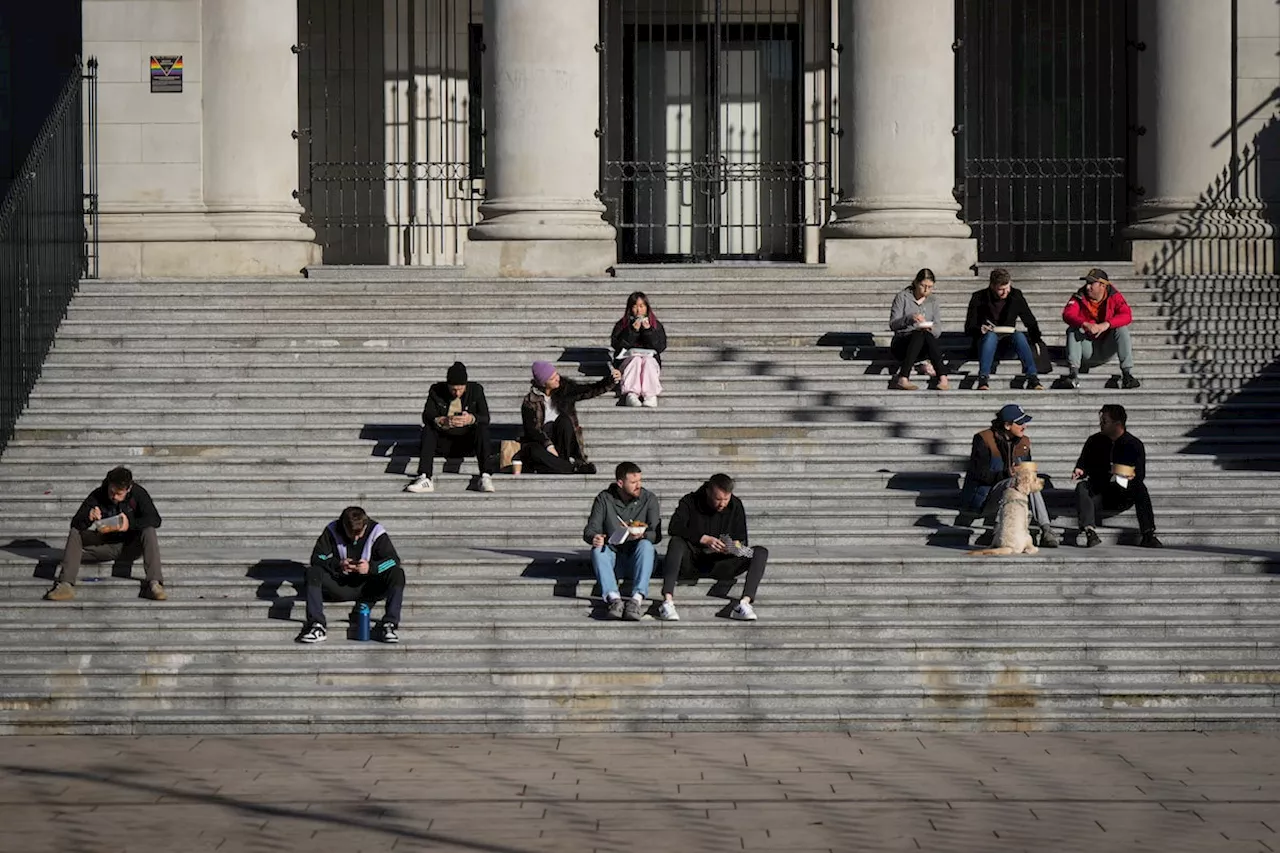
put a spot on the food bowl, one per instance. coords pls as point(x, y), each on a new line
point(1124, 471)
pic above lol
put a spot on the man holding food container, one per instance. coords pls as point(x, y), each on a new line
point(623, 528)
point(1111, 476)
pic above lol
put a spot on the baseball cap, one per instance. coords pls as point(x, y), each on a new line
point(1013, 414)
point(1095, 274)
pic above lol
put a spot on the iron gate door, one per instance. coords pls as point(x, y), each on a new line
point(1042, 137)
point(704, 130)
point(391, 128)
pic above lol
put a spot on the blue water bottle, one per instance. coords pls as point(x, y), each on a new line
point(362, 622)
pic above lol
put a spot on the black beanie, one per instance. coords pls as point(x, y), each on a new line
point(457, 374)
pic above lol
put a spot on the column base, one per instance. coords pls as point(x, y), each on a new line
point(539, 258)
point(902, 256)
point(1205, 256)
point(206, 259)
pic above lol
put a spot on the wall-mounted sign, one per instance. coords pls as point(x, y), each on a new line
point(166, 74)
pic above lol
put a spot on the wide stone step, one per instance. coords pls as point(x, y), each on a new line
point(968, 711)
point(571, 706)
point(1225, 660)
point(605, 672)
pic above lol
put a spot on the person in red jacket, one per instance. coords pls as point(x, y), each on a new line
point(1098, 319)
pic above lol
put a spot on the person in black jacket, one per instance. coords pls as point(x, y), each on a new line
point(638, 341)
point(455, 422)
point(552, 441)
point(708, 532)
point(993, 310)
point(1101, 486)
point(130, 532)
point(354, 560)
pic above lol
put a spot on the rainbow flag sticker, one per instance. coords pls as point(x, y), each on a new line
point(166, 74)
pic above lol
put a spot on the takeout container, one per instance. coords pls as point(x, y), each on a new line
point(1124, 471)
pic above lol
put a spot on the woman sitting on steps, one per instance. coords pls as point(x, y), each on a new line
point(638, 340)
point(916, 323)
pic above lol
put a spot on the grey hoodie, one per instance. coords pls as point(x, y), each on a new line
point(609, 506)
point(904, 307)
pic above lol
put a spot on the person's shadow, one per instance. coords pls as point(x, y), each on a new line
point(272, 575)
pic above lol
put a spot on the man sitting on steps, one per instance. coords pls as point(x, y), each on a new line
point(354, 560)
point(455, 422)
point(623, 527)
point(129, 532)
point(1098, 319)
point(1112, 476)
point(709, 533)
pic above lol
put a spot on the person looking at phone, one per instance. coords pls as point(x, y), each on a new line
point(638, 341)
point(354, 560)
point(455, 423)
point(117, 522)
point(624, 525)
point(990, 324)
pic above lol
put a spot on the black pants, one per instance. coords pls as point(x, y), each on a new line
point(473, 442)
point(560, 433)
point(907, 349)
point(1112, 498)
point(325, 586)
point(681, 556)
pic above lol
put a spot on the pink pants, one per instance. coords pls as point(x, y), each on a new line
point(640, 376)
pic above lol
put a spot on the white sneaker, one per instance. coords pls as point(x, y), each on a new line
point(631, 400)
point(667, 612)
point(486, 483)
point(744, 611)
point(650, 402)
point(421, 485)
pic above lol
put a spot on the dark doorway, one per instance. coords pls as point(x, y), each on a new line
point(391, 140)
point(1043, 140)
point(706, 135)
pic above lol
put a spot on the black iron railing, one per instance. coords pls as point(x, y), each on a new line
point(44, 247)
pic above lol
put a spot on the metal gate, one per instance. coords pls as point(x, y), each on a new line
point(391, 130)
point(1042, 136)
point(716, 128)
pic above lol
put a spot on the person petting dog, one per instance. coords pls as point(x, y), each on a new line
point(1111, 476)
point(996, 452)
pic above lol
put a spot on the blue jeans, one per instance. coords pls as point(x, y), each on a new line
point(637, 560)
point(991, 344)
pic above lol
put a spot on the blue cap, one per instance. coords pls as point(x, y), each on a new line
point(1012, 413)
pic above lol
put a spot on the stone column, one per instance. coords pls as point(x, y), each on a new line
point(199, 183)
point(1187, 213)
point(897, 153)
point(250, 156)
point(542, 107)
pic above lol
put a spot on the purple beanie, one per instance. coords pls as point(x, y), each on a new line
point(543, 371)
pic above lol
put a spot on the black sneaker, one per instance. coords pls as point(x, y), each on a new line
point(1149, 540)
point(585, 468)
point(1128, 380)
point(614, 607)
point(984, 384)
point(386, 633)
point(1091, 538)
point(1071, 380)
point(631, 610)
point(313, 634)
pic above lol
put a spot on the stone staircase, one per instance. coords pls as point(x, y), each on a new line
point(255, 410)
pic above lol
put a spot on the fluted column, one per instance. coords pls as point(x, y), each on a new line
point(542, 106)
point(897, 152)
point(1191, 209)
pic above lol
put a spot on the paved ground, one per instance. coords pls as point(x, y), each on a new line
point(687, 792)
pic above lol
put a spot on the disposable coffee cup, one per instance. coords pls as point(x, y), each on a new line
point(516, 467)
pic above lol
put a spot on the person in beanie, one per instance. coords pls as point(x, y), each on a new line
point(552, 441)
point(455, 423)
point(117, 522)
point(1098, 319)
point(354, 560)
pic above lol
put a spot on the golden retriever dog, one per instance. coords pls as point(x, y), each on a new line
point(1013, 533)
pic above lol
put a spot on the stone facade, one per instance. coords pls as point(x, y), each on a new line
point(204, 183)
